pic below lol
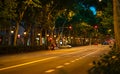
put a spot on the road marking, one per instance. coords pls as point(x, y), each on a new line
point(51, 70)
point(73, 61)
point(88, 54)
point(76, 59)
point(27, 63)
point(59, 66)
point(66, 63)
point(90, 64)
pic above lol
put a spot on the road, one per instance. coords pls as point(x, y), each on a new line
point(76, 60)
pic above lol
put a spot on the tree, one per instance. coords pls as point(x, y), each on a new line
point(108, 64)
point(8, 11)
point(116, 11)
point(106, 20)
point(21, 14)
point(7, 16)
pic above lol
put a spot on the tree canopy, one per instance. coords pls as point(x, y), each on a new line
point(51, 14)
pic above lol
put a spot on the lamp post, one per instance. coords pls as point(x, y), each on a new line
point(11, 31)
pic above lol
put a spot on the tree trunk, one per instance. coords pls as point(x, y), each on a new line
point(40, 38)
point(116, 13)
point(17, 23)
point(16, 33)
point(32, 37)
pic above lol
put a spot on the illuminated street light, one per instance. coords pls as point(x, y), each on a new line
point(12, 31)
point(38, 34)
point(71, 37)
point(25, 33)
point(55, 36)
point(100, 0)
point(47, 35)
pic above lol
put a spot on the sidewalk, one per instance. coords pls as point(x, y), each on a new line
point(60, 50)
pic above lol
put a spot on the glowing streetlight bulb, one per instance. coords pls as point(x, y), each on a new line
point(100, 0)
point(12, 32)
point(38, 34)
point(54, 35)
point(25, 33)
point(47, 35)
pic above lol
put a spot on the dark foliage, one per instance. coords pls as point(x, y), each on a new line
point(5, 50)
point(108, 64)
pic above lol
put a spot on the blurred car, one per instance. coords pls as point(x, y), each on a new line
point(65, 46)
point(105, 43)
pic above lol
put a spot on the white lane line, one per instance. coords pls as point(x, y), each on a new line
point(76, 59)
point(66, 63)
point(51, 70)
point(59, 66)
point(73, 61)
point(90, 64)
point(88, 54)
point(27, 63)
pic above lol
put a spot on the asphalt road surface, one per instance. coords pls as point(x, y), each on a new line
point(75, 60)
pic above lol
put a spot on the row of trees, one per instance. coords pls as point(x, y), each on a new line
point(46, 16)
point(108, 63)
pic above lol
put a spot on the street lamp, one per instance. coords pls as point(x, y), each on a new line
point(47, 35)
point(54, 36)
point(12, 31)
point(38, 34)
point(25, 39)
point(11, 38)
point(25, 33)
point(100, 0)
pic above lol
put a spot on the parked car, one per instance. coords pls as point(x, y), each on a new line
point(105, 43)
point(65, 46)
